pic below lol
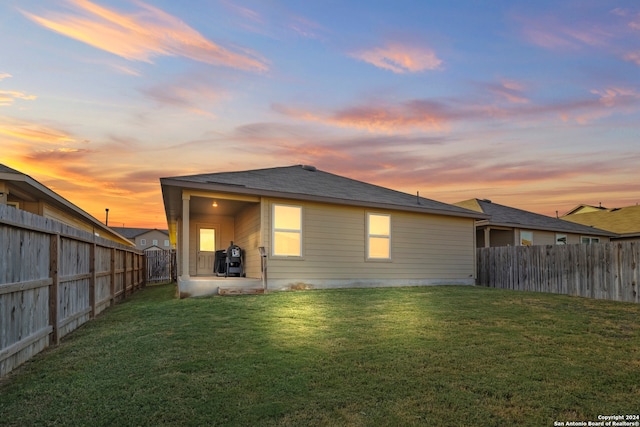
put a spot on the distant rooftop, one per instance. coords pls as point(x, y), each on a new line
point(513, 217)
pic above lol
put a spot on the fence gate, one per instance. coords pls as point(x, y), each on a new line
point(161, 265)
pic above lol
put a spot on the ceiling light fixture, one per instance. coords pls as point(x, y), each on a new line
point(214, 204)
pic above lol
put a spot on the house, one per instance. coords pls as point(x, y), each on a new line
point(625, 222)
point(308, 228)
point(146, 239)
point(23, 192)
point(509, 226)
point(586, 208)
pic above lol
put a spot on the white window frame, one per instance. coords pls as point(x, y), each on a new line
point(155, 242)
point(589, 240)
point(379, 236)
point(561, 239)
point(274, 230)
point(143, 242)
point(166, 243)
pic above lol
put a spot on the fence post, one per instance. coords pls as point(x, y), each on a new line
point(54, 257)
point(143, 260)
point(112, 279)
point(92, 280)
point(133, 269)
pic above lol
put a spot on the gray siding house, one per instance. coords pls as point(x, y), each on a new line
point(509, 226)
point(302, 228)
point(146, 239)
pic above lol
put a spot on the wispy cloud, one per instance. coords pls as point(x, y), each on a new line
point(8, 96)
point(609, 35)
point(195, 96)
point(272, 20)
point(549, 33)
point(422, 115)
point(633, 57)
point(509, 90)
point(148, 33)
point(26, 131)
point(508, 104)
point(306, 28)
point(400, 58)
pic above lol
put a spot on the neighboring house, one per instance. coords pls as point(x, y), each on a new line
point(146, 238)
point(314, 229)
point(585, 209)
point(509, 226)
point(625, 222)
point(23, 192)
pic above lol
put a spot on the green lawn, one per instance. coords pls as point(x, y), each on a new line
point(401, 356)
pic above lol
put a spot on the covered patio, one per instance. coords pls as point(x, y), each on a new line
point(202, 223)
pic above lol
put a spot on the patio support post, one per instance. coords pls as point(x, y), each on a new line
point(487, 237)
point(184, 256)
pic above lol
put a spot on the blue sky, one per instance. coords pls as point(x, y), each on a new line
point(534, 105)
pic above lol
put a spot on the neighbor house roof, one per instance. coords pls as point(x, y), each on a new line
point(585, 208)
point(624, 221)
point(506, 216)
point(132, 233)
point(28, 188)
point(303, 182)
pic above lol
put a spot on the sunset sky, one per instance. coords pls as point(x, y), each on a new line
point(532, 104)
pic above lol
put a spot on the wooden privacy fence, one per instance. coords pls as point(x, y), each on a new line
point(54, 278)
point(605, 270)
point(160, 265)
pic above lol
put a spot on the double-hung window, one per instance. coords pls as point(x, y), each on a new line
point(287, 230)
point(378, 236)
point(589, 240)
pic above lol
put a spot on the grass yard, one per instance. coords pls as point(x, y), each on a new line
point(437, 356)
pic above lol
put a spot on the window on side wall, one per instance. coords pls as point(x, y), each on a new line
point(287, 230)
point(143, 242)
point(561, 239)
point(588, 240)
point(378, 236)
point(166, 243)
point(526, 238)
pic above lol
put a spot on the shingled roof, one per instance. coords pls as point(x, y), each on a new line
point(512, 217)
point(304, 182)
point(624, 221)
point(33, 189)
point(132, 233)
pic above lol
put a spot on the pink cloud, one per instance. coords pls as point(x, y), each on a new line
point(633, 57)
point(417, 114)
point(439, 116)
point(193, 94)
point(400, 58)
point(509, 90)
point(550, 33)
point(148, 33)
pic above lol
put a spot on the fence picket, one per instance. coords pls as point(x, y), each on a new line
point(49, 275)
point(602, 271)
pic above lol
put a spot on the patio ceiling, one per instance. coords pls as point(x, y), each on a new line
point(226, 207)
